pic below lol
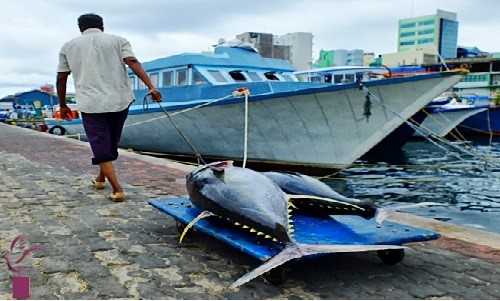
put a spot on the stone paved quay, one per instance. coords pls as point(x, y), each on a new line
point(97, 249)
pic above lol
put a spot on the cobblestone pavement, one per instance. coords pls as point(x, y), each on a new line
point(97, 249)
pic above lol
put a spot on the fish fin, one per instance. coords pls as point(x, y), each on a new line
point(297, 250)
point(315, 197)
point(383, 213)
point(194, 221)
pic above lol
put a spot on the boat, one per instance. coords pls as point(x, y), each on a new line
point(485, 122)
point(305, 124)
point(446, 112)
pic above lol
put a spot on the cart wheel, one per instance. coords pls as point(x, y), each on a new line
point(391, 256)
point(276, 276)
point(180, 226)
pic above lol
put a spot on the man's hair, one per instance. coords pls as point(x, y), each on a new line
point(90, 21)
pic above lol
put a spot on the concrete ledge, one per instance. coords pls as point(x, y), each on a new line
point(467, 234)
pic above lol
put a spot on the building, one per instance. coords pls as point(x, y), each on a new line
point(294, 47)
point(483, 77)
point(368, 58)
point(425, 54)
point(439, 30)
point(300, 48)
point(340, 57)
point(27, 98)
point(264, 42)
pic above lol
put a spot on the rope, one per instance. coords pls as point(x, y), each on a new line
point(244, 92)
point(146, 106)
point(239, 92)
point(426, 133)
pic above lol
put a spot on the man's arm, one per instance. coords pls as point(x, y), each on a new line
point(136, 67)
point(61, 82)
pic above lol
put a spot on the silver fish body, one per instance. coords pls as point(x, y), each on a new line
point(241, 196)
point(250, 199)
point(330, 201)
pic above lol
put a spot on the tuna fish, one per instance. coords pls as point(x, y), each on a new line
point(311, 196)
point(251, 200)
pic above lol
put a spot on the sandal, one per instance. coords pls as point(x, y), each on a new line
point(117, 197)
point(98, 185)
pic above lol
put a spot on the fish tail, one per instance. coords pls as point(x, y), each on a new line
point(297, 250)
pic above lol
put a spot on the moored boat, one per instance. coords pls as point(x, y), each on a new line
point(289, 122)
point(485, 122)
point(445, 113)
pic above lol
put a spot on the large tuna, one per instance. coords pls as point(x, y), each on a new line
point(311, 196)
point(251, 200)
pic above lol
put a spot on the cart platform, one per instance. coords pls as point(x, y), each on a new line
point(338, 229)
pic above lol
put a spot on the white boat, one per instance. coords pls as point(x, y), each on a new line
point(445, 113)
point(289, 122)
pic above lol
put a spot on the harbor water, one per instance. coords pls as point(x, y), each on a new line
point(466, 184)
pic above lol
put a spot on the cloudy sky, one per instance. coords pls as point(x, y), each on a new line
point(32, 31)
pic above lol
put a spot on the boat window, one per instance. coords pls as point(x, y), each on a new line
point(337, 79)
point(254, 76)
point(271, 76)
point(287, 77)
point(217, 76)
point(181, 77)
point(317, 79)
point(349, 78)
point(359, 75)
point(198, 78)
point(237, 76)
point(167, 79)
point(131, 81)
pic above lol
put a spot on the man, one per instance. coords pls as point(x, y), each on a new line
point(102, 92)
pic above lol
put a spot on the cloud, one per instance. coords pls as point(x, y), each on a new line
point(32, 31)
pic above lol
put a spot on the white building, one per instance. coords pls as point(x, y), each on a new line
point(424, 54)
point(300, 48)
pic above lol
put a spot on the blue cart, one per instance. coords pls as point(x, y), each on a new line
point(339, 229)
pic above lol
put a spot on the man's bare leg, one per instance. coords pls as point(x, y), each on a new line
point(100, 177)
point(108, 170)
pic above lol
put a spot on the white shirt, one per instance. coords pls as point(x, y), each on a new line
point(95, 60)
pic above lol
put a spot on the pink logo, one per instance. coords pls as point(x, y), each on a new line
point(20, 283)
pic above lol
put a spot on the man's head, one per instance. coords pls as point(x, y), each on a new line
point(90, 21)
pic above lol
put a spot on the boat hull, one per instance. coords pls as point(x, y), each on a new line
point(322, 127)
point(486, 122)
point(441, 122)
point(319, 127)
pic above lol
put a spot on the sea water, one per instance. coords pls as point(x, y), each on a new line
point(464, 177)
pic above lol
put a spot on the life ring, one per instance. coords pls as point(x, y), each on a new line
point(61, 131)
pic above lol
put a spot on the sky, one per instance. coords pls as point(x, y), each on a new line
point(33, 31)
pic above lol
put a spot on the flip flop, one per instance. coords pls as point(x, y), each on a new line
point(98, 185)
point(117, 197)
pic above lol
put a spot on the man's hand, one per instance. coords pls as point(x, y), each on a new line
point(65, 113)
point(155, 95)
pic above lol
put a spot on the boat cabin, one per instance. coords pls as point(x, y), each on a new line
point(227, 65)
point(341, 74)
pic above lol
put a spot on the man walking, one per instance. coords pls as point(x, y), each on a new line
point(102, 92)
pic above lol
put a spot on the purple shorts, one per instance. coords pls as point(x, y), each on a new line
point(103, 132)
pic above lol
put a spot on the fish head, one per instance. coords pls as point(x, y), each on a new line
point(206, 171)
point(242, 196)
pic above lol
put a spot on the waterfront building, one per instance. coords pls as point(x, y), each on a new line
point(425, 54)
point(439, 30)
point(340, 57)
point(295, 47)
point(27, 98)
point(300, 48)
point(264, 43)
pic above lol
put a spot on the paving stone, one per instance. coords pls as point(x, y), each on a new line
point(130, 250)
